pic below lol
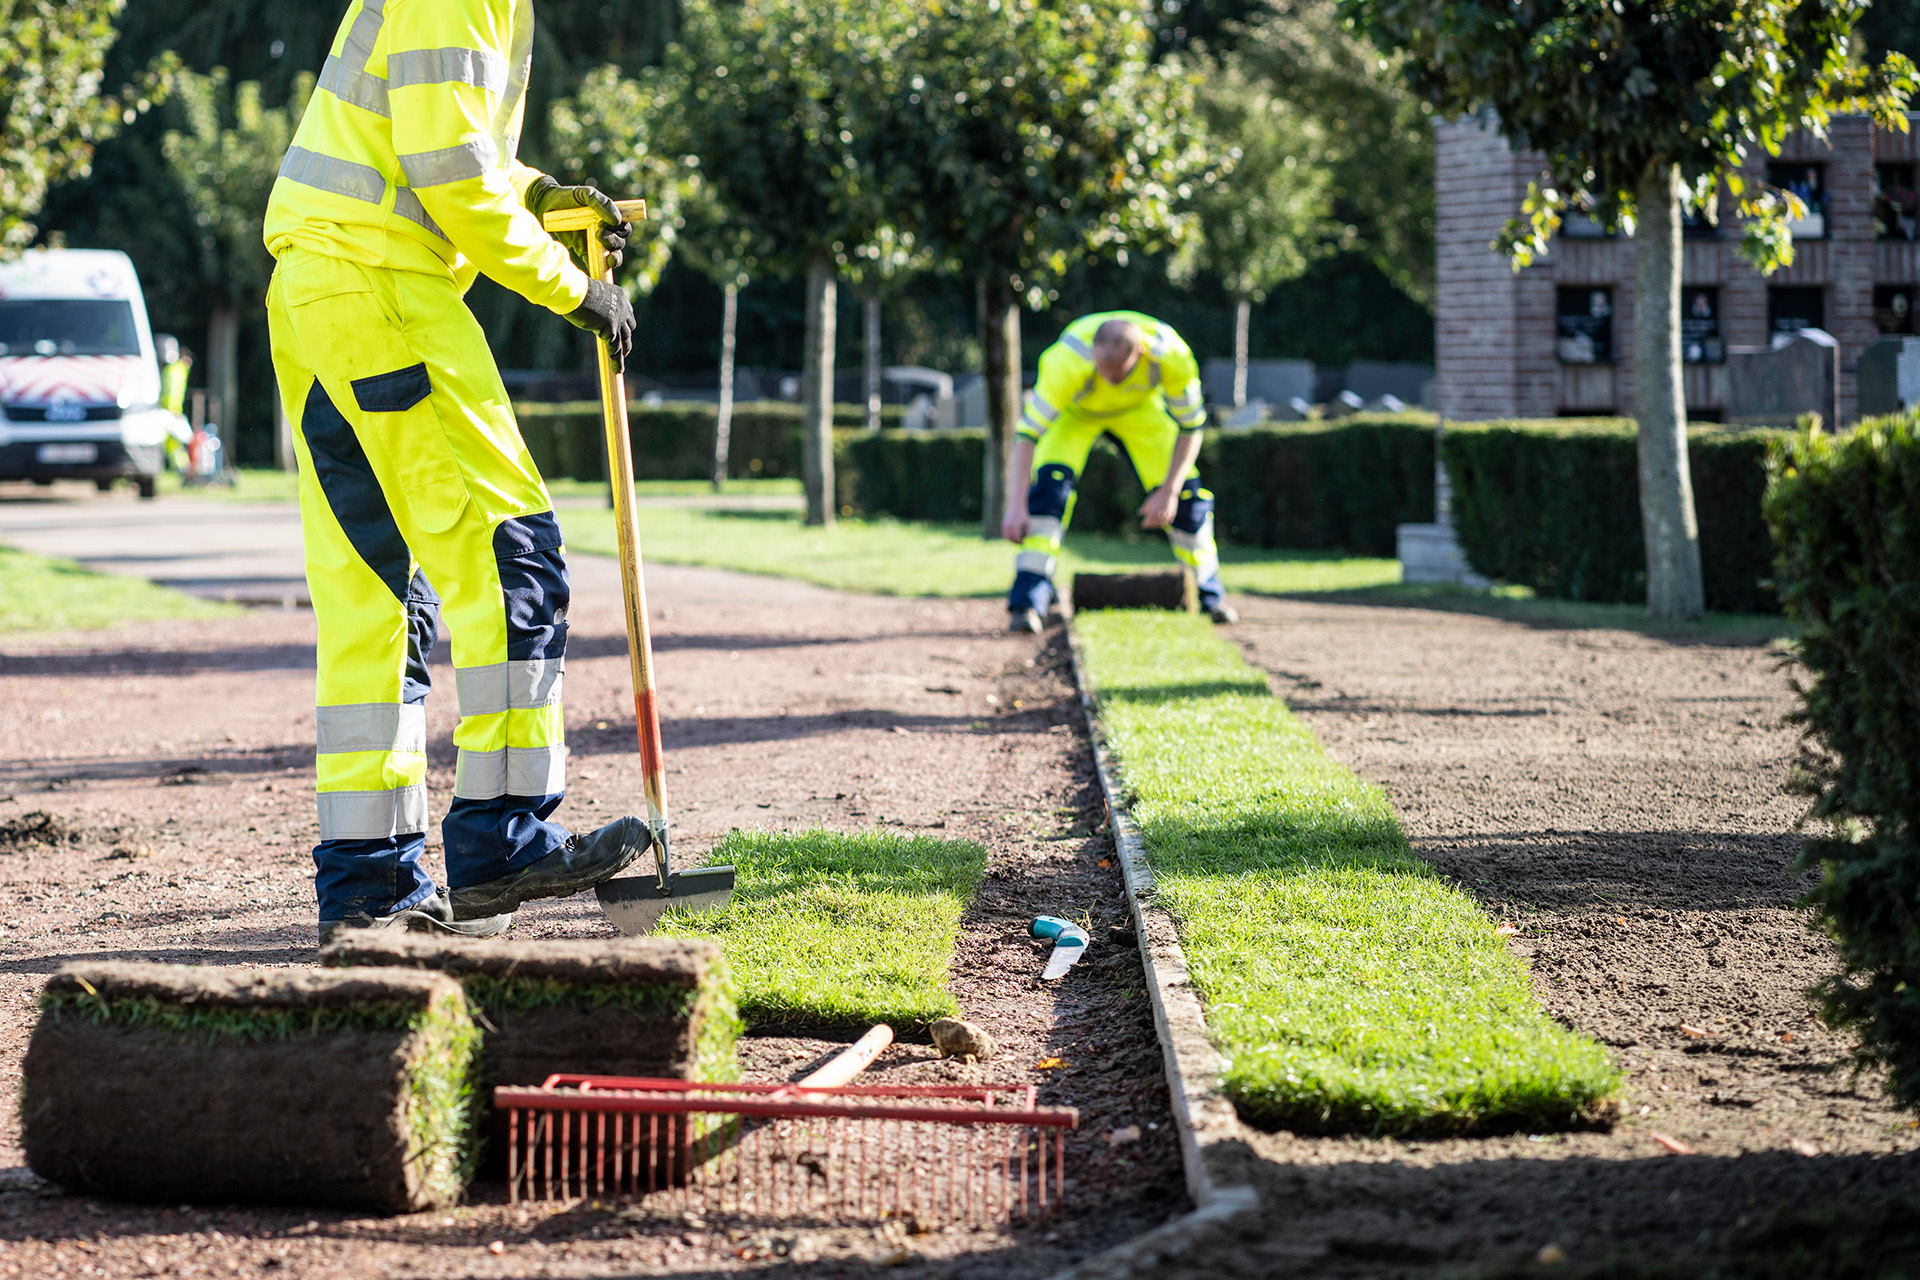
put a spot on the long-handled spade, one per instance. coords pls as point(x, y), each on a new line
point(635, 903)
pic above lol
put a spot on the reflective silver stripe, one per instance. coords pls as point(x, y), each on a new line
point(370, 726)
point(506, 116)
point(510, 771)
point(1181, 538)
point(1034, 562)
point(1156, 342)
point(1076, 346)
point(368, 92)
point(1038, 406)
point(329, 173)
point(1183, 402)
point(1044, 527)
point(500, 686)
point(450, 164)
point(481, 68)
point(1153, 373)
point(408, 206)
point(373, 815)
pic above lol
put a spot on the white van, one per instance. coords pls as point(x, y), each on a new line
point(79, 385)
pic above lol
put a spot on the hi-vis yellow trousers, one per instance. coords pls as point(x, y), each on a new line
point(418, 503)
point(1145, 437)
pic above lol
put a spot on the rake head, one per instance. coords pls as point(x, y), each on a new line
point(940, 1154)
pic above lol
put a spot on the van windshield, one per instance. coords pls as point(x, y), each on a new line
point(67, 327)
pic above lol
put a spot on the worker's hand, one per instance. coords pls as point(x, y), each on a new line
point(544, 196)
point(1013, 525)
point(1158, 510)
point(607, 312)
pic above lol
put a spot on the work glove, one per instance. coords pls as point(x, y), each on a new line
point(544, 196)
point(607, 312)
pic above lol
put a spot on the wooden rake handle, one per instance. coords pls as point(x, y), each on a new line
point(613, 405)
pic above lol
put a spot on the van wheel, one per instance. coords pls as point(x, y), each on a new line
point(146, 487)
point(104, 486)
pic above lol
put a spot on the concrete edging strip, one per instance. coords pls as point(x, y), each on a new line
point(1202, 1115)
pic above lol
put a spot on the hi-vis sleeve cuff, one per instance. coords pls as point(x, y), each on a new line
point(1036, 416)
point(1188, 408)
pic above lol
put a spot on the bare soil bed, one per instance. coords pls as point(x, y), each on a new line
point(1619, 799)
point(173, 769)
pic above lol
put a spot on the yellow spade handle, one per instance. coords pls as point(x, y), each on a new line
point(613, 403)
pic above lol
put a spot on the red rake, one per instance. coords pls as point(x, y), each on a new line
point(812, 1151)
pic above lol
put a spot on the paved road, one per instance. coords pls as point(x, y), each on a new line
point(222, 550)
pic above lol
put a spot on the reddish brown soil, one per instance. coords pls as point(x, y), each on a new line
point(177, 758)
point(1619, 799)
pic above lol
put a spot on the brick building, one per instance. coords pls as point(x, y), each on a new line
point(1557, 338)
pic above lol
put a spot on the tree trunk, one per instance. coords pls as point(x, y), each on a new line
point(1667, 519)
point(1242, 318)
point(723, 420)
point(872, 317)
point(1000, 347)
point(817, 391)
point(223, 371)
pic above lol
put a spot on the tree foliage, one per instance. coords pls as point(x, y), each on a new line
point(225, 160)
point(1608, 92)
point(53, 107)
point(1036, 135)
point(609, 134)
point(1264, 219)
point(1375, 134)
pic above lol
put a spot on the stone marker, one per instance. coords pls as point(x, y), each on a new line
point(617, 1006)
point(199, 1085)
point(1172, 589)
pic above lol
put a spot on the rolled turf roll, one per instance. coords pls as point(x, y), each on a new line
point(182, 1083)
point(1171, 589)
point(660, 1007)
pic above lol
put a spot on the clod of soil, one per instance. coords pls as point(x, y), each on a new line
point(37, 830)
point(957, 1039)
point(177, 1083)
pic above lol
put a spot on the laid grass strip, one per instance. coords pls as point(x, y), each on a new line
point(906, 558)
point(1349, 986)
point(840, 929)
point(39, 593)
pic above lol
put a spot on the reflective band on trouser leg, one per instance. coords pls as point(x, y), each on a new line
point(1191, 534)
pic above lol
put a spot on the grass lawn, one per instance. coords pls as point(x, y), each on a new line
point(831, 929)
point(264, 484)
point(891, 557)
point(1349, 986)
point(38, 593)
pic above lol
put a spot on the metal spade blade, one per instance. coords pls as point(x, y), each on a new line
point(636, 903)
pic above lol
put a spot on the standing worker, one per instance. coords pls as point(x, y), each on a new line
point(1131, 377)
point(417, 497)
point(176, 365)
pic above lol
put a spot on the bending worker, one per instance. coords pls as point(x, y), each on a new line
point(418, 501)
point(1131, 377)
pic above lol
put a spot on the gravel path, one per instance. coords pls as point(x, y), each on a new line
point(1619, 799)
point(177, 759)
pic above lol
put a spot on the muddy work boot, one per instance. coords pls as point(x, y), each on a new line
point(581, 863)
point(1224, 614)
point(435, 915)
point(1024, 622)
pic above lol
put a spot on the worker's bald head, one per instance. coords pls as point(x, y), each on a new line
point(1116, 348)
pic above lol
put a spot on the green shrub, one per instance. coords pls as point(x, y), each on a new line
point(674, 441)
point(1845, 512)
point(1555, 505)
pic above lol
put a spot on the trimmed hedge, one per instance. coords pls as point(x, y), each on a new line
point(1332, 485)
point(1844, 512)
point(1555, 505)
point(674, 441)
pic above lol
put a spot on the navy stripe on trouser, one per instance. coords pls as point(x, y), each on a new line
point(485, 837)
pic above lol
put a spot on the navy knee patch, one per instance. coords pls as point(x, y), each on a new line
point(1196, 504)
point(533, 584)
point(347, 480)
point(1052, 488)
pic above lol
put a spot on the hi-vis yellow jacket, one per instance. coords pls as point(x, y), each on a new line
point(1068, 383)
point(405, 157)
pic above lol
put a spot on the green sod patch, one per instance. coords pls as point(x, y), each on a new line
point(714, 1010)
point(1349, 986)
point(903, 558)
point(832, 929)
point(38, 593)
